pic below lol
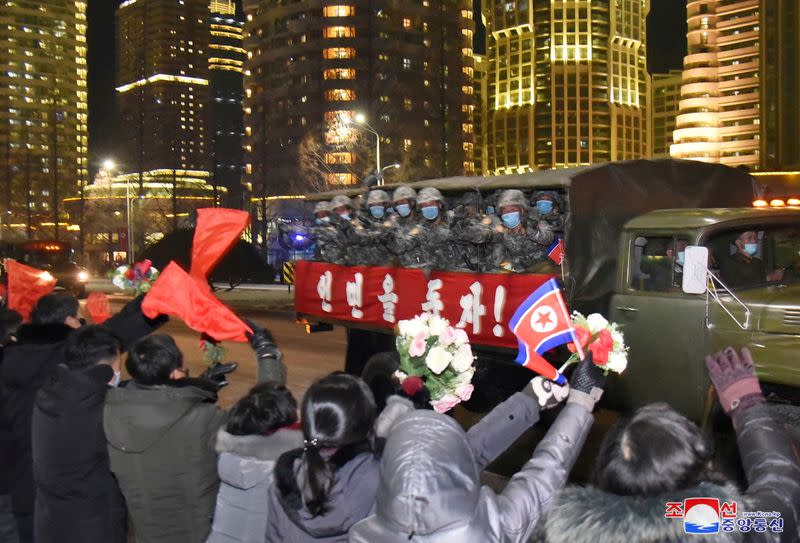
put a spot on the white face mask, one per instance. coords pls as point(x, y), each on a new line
point(114, 382)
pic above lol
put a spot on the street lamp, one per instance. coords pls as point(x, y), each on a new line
point(109, 166)
point(361, 120)
point(394, 166)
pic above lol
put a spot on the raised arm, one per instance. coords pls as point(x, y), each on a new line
point(130, 324)
point(769, 460)
point(268, 356)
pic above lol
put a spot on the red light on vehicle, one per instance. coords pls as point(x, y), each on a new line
point(777, 202)
point(793, 202)
point(760, 203)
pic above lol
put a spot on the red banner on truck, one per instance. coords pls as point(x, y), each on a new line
point(481, 304)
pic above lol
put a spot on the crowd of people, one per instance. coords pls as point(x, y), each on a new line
point(506, 231)
point(88, 457)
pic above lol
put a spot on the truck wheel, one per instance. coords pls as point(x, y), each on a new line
point(789, 415)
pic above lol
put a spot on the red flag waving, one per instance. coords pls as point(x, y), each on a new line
point(216, 232)
point(97, 307)
point(176, 293)
point(25, 286)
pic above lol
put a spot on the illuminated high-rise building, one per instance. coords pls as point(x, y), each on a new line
point(740, 102)
point(226, 59)
point(163, 91)
point(407, 67)
point(663, 111)
point(481, 84)
point(43, 115)
point(568, 83)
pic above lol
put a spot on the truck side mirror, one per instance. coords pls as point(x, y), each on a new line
point(695, 270)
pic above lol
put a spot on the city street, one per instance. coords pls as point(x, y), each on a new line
point(309, 357)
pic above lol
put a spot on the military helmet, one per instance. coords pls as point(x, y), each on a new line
point(512, 197)
point(377, 196)
point(341, 200)
point(429, 194)
point(404, 192)
point(321, 207)
point(551, 193)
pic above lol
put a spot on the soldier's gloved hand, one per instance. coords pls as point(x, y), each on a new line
point(547, 393)
point(735, 379)
point(587, 383)
point(262, 342)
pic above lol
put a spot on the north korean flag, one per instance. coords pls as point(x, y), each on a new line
point(556, 251)
point(541, 323)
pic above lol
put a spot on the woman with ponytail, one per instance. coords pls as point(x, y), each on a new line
point(329, 484)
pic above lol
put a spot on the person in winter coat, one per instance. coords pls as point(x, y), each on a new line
point(658, 457)
point(261, 427)
point(321, 490)
point(10, 322)
point(26, 365)
point(77, 497)
point(161, 430)
point(430, 489)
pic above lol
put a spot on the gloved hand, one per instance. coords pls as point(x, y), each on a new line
point(547, 393)
point(735, 379)
point(262, 342)
point(217, 371)
point(587, 383)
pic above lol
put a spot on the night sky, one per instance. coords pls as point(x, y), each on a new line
point(666, 47)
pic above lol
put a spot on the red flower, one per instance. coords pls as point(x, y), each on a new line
point(412, 385)
point(143, 267)
point(583, 337)
point(600, 348)
point(130, 274)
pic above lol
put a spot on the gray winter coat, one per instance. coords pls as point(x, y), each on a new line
point(590, 515)
point(246, 465)
point(161, 446)
point(430, 490)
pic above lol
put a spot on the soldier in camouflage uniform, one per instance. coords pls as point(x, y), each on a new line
point(470, 232)
point(327, 245)
point(401, 242)
point(436, 248)
point(518, 246)
point(347, 226)
point(374, 229)
point(547, 204)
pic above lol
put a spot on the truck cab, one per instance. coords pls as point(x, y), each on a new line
point(757, 303)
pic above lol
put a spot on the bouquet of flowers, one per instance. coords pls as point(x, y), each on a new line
point(603, 339)
point(213, 351)
point(136, 279)
point(438, 356)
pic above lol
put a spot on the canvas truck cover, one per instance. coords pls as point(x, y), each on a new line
point(604, 197)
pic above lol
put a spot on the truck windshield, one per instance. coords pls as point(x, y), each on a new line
point(756, 258)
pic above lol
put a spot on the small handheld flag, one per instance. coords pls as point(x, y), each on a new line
point(25, 286)
point(556, 251)
point(540, 323)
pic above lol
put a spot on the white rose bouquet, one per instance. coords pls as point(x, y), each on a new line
point(438, 356)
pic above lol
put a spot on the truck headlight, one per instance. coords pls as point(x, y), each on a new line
point(83, 276)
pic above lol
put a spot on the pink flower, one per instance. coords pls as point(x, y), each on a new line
point(445, 403)
point(465, 392)
point(417, 347)
point(448, 336)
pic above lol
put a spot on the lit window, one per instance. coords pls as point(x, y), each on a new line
point(340, 73)
point(338, 158)
point(406, 144)
point(467, 128)
point(332, 53)
point(406, 23)
point(408, 104)
point(339, 32)
point(406, 63)
point(338, 11)
point(340, 178)
point(340, 95)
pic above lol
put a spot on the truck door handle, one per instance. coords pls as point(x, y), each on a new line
point(627, 309)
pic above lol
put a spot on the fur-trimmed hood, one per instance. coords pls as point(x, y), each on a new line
point(246, 461)
point(590, 515)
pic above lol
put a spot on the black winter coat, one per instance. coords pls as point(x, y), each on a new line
point(25, 366)
point(77, 497)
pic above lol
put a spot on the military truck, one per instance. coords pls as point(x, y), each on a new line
point(625, 224)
